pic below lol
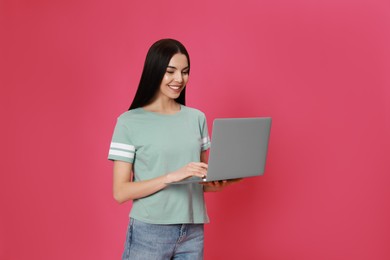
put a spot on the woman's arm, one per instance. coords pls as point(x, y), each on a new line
point(125, 189)
point(215, 185)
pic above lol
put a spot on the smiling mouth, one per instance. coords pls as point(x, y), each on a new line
point(174, 87)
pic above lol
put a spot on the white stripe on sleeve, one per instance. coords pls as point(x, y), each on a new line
point(205, 140)
point(122, 146)
point(121, 153)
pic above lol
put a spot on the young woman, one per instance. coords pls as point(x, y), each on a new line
point(159, 141)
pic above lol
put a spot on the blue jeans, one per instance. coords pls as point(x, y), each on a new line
point(146, 241)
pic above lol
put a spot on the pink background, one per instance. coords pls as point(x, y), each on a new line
point(319, 68)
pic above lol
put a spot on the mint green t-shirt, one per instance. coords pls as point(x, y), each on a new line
point(157, 144)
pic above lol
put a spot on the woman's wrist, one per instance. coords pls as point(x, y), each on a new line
point(168, 178)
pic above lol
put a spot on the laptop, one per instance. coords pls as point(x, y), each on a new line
point(238, 149)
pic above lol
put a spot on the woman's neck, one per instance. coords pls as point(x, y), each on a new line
point(167, 107)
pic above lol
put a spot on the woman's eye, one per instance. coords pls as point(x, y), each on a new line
point(170, 72)
point(185, 72)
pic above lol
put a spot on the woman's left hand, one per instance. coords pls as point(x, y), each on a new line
point(218, 185)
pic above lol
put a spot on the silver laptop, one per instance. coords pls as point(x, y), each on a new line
point(238, 149)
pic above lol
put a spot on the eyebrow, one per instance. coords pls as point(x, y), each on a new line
point(173, 67)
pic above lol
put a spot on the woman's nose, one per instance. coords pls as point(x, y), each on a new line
point(179, 77)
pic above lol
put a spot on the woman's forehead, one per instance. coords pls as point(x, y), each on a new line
point(178, 60)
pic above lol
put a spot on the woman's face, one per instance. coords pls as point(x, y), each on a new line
point(175, 77)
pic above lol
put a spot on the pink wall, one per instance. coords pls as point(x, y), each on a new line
point(319, 68)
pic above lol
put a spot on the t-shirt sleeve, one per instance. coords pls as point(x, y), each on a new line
point(121, 147)
point(205, 141)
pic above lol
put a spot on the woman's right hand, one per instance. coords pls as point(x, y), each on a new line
point(198, 169)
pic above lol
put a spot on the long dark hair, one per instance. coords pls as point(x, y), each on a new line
point(156, 63)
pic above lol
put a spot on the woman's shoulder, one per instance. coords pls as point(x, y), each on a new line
point(194, 111)
point(130, 115)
